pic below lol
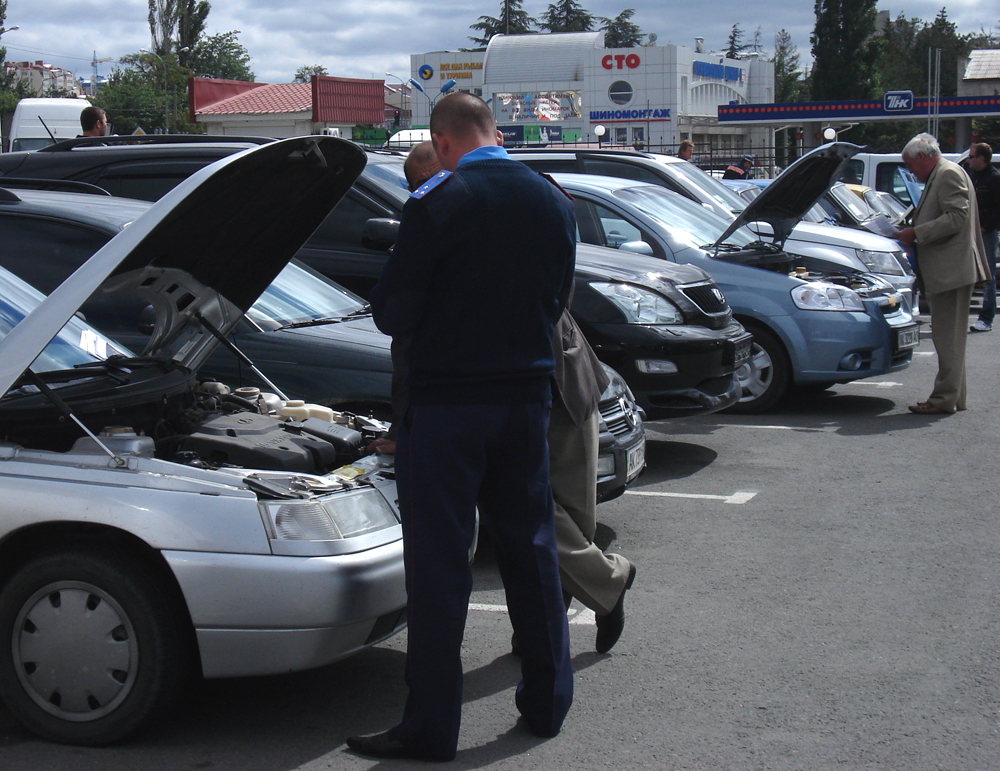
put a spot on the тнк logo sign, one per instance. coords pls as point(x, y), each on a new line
point(897, 101)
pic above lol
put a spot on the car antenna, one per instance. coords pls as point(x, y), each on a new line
point(65, 409)
point(53, 136)
point(238, 353)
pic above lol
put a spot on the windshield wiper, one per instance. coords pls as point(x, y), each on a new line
point(364, 310)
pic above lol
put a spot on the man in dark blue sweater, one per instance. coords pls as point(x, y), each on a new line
point(481, 271)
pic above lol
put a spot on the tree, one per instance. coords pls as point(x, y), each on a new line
point(191, 18)
point(304, 74)
point(620, 32)
point(12, 88)
point(736, 47)
point(512, 21)
point(788, 84)
point(132, 99)
point(566, 16)
point(162, 24)
point(846, 50)
point(221, 56)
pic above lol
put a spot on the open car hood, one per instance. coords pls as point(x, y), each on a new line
point(207, 249)
point(784, 202)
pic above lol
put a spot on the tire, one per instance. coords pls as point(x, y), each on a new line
point(765, 376)
point(91, 646)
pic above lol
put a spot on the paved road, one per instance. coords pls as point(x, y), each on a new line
point(830, 601)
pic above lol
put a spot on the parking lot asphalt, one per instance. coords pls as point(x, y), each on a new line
point(817, 589)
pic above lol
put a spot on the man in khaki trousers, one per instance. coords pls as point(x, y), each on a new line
point(951, 260)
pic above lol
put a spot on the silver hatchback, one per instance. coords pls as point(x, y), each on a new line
point(155, 525)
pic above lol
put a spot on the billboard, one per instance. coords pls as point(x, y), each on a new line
point(535, 106)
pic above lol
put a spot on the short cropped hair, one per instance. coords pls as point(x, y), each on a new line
point(418, 161)
point(461, 114)
point(922, 143)
point(89, 117)
point(983, 150)
point(685, 144)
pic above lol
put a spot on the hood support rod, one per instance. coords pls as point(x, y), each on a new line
point(231, 346)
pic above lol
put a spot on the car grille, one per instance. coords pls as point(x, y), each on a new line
point(705, 297)
point(619, 416)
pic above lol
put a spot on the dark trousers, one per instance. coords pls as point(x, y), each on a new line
point(449, 458)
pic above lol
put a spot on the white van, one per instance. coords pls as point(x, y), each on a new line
point(882, 171)
point(32, 116)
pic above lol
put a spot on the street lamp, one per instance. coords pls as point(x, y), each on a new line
point(448, 86)
point(829, 134)
point(404, 92)
point(599, 132)
point(9, 29)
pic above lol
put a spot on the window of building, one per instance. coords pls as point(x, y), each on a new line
point(621, 92)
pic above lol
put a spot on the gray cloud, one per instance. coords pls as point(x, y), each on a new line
point(367, 39)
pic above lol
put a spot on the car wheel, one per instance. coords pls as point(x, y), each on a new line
point(90, 646)
point(764, 377)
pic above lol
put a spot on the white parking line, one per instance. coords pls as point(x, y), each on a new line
point(583, 616)
point(923, 353)
point(738, 498)
point(876, 383)
point(828, 427)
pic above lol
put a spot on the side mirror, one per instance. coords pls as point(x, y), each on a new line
point(379, 234)
point(637, 247)
point(762, 229)
point(147, 320)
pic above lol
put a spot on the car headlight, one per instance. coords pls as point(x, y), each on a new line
point(817, 296)
point(880, 262)
point(330, 518)
point(640, 306)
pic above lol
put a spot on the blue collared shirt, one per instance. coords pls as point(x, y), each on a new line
point(486, 152)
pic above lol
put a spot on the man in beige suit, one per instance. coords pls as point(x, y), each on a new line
point(950, 262)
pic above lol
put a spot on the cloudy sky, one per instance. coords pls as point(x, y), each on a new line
point(368, 39)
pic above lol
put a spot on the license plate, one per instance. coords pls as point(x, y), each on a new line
point(635, 460)
point(907, 338)
point(743, 351)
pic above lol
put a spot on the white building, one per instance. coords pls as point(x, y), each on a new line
point(42, 77)
point(560, 87)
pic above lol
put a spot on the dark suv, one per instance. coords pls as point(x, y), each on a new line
point(666, 329)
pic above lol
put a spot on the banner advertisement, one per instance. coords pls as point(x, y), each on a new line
point(531, 107)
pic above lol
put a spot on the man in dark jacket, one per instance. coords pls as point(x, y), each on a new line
point(742, 171)
point(986, 180)
point(481, 271)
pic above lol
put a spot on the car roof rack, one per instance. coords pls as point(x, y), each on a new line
point(59, 185)
point(149, 139)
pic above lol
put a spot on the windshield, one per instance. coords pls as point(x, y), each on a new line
point(690, 176)
point(688, 222)
point(857, 208)
point(388, 176)
point(77, 342)
point(300, 294)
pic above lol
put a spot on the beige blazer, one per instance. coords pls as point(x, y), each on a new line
point(950, 250)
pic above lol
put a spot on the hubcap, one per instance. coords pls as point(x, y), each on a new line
point(755, 374)
point(75, 651)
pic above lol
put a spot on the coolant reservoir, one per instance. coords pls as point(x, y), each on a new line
point(296, 409)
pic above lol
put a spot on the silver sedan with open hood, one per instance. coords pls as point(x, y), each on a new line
point(155, 525)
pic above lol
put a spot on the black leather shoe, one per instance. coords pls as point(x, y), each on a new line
point(383, 745)
point(610, 627)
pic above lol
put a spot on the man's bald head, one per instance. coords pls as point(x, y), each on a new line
point(421, 164)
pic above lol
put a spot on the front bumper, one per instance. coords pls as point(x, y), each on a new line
point(265, 614)
point(622, 449)
point(704, 360)
point(843, 347)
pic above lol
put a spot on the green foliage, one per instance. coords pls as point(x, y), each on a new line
point(566, 16)
point(162, 19)
point(788, 83)
point(511, 21)
point(192, 16)
point(735, 47)
point(846, 50)
point(12, 89)
point(304, 74)
point(132, 97)
point(620, 32)
point(221, 56)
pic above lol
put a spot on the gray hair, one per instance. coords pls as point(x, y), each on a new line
point(922, 143)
